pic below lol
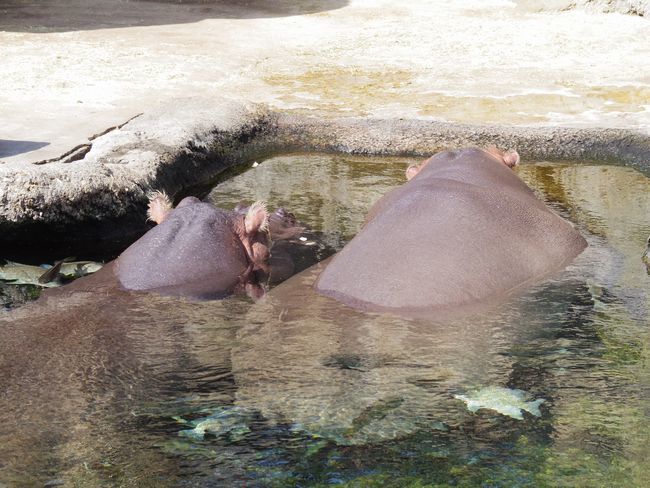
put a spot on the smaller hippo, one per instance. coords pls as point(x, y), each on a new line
point(202, 251)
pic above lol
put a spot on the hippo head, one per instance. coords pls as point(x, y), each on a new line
point(510, 158)
point(249, 223)
point(203, 251)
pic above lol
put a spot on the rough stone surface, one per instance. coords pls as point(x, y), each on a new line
point(632, 7)
point(422, 137)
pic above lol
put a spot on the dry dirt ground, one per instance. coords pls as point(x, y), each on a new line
point(71, 69)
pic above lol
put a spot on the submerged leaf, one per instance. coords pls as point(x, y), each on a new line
point(224, 420)
point(505, 401)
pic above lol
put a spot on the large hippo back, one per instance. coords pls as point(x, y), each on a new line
point(465, 230)
point(193, 252)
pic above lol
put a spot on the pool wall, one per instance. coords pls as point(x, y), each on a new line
point(93, 199)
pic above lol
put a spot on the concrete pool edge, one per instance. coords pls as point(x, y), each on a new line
point(98, 194)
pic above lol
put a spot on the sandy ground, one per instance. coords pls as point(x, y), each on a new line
point(70, 69)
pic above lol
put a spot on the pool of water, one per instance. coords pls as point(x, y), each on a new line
point(102, 388)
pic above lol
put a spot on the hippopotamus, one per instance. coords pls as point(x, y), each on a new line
point(462, 231)
point(202, 251)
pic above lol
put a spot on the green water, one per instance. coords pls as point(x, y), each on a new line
point(297, 390)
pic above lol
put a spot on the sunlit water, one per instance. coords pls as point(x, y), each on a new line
point(100, 389)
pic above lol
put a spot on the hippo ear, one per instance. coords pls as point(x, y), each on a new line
point(159, 206)
point(511, 158)
point(257, 218)
point(412, 170)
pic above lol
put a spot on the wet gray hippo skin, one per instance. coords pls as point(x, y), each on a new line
point(197, 250)
point(463, 231)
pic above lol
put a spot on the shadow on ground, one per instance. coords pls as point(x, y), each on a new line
point(74, 15)
point(12, 148)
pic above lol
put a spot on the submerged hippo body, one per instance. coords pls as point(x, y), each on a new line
point(464, 230)
point(200, 250)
